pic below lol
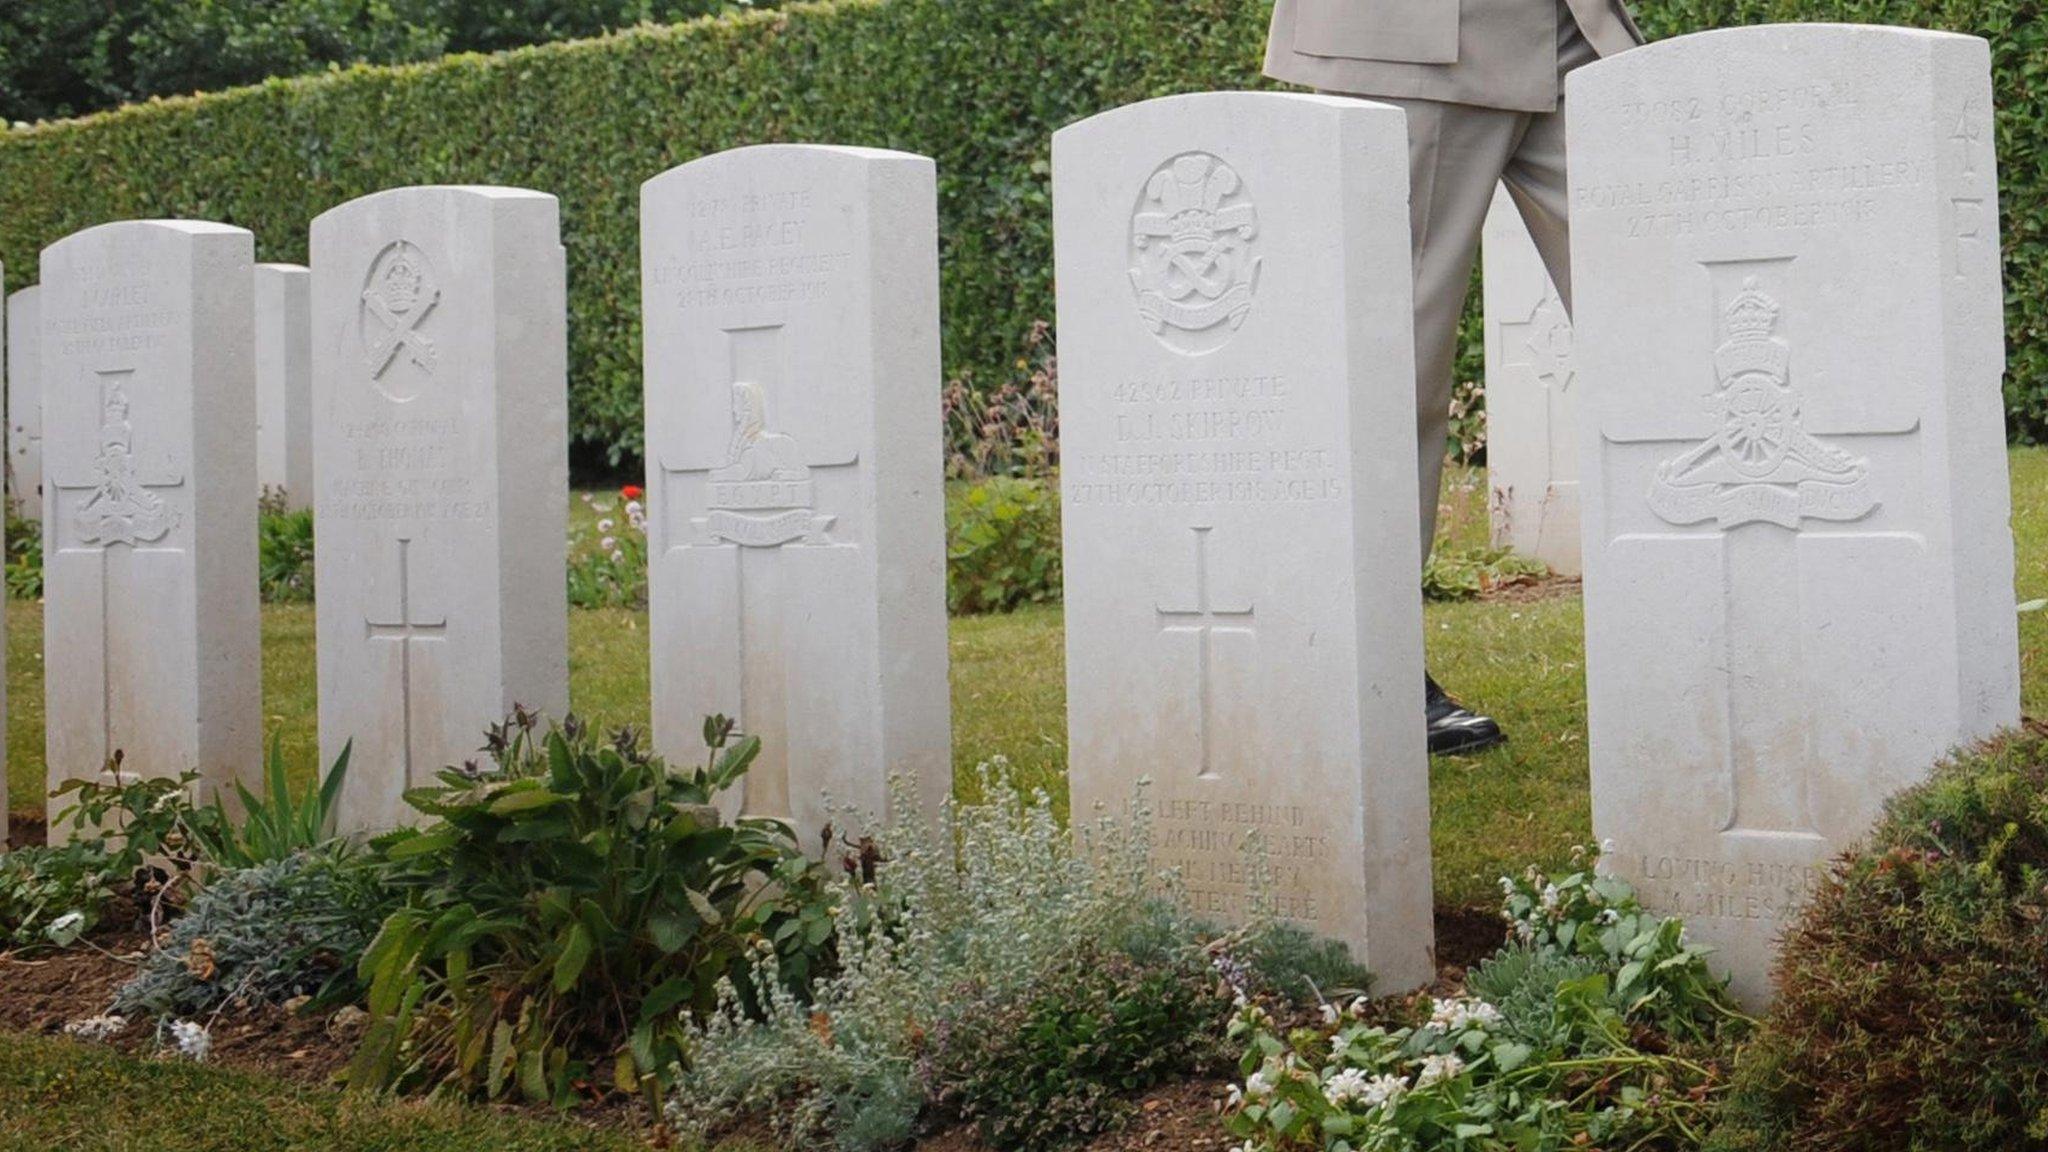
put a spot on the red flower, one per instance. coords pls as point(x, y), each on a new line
point(632, 492)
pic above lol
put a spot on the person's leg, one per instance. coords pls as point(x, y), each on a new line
point(1535, 174)
point(1456, 155)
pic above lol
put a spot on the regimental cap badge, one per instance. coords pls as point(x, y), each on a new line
point(402, 281)
point(399, 294)
point(1752, 345)
point(1194, 252)
point(1191, 194)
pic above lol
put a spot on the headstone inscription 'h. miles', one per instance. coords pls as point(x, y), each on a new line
point(797, 522)
point(1239, 484)
point(25, 402)
point(440, 442)
point(284, 382)
point(1799, 569)
point(1532, 462)
point(152, 640)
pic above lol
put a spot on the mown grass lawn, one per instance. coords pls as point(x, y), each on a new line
point(1490, 813)
point(61, 1096)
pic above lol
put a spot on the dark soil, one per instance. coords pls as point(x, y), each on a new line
point(42, 993)
point(27, 830)
point(1533, 589)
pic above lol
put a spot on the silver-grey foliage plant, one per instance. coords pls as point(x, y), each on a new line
point(259, 935)
point(991, 898)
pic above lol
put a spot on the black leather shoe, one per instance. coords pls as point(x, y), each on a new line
point(1454, 729)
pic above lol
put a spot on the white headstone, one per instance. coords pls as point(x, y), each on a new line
point(794, 471)
point(25, 403)
point(152, 641)
point(1799, 569)
point(1244, 626)
point(1532, 444)
point(440, 441)
point(284, 382)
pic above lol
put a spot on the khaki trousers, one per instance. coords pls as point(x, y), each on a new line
point(1456, 154)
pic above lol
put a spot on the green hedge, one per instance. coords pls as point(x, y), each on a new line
point(977, 84)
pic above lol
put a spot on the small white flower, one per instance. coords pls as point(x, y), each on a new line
point(1259, 1085)
point(608, 544)
point(65, 930)
point(1346, 1086)
point(634, 508)
point(1383, 1090)
point(618, 557)
point(606, 525)
point(1610, 916)
point(1234, 1098)
point(1329, 1014)
point(1464, 1012)
point(1549, 898)
point(1359, 1007)
point(194, 1041)
point(96, 1027)
point(1435, 1068)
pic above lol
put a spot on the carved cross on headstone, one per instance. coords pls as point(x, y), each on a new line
point(114, 514)
point(405, 632)
point(1767, 483)
point(758, 501)
point(1205, 621)
point(1541, 345)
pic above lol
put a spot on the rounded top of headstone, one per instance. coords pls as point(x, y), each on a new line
point(788, 157)
point(28, 293)
point(415, 192)
point(278, 269)
point(1219, 107)
point(1807, 41)
point(116, 230)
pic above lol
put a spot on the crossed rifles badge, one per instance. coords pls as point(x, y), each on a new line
point(1762, 465)
point(397, 297)
point(1194, 263)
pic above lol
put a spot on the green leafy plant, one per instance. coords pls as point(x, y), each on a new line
point(563, 913)
point(24, 557)
point(1004, 544)
point(1658, 976)
point(287, 927)
point(40, 887)
point(284, 551)
point(1910, 988)
point(275, 825)
point(1055, 1062)
point(1464, 574)
point(129, 837)
point(1596, 1027)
